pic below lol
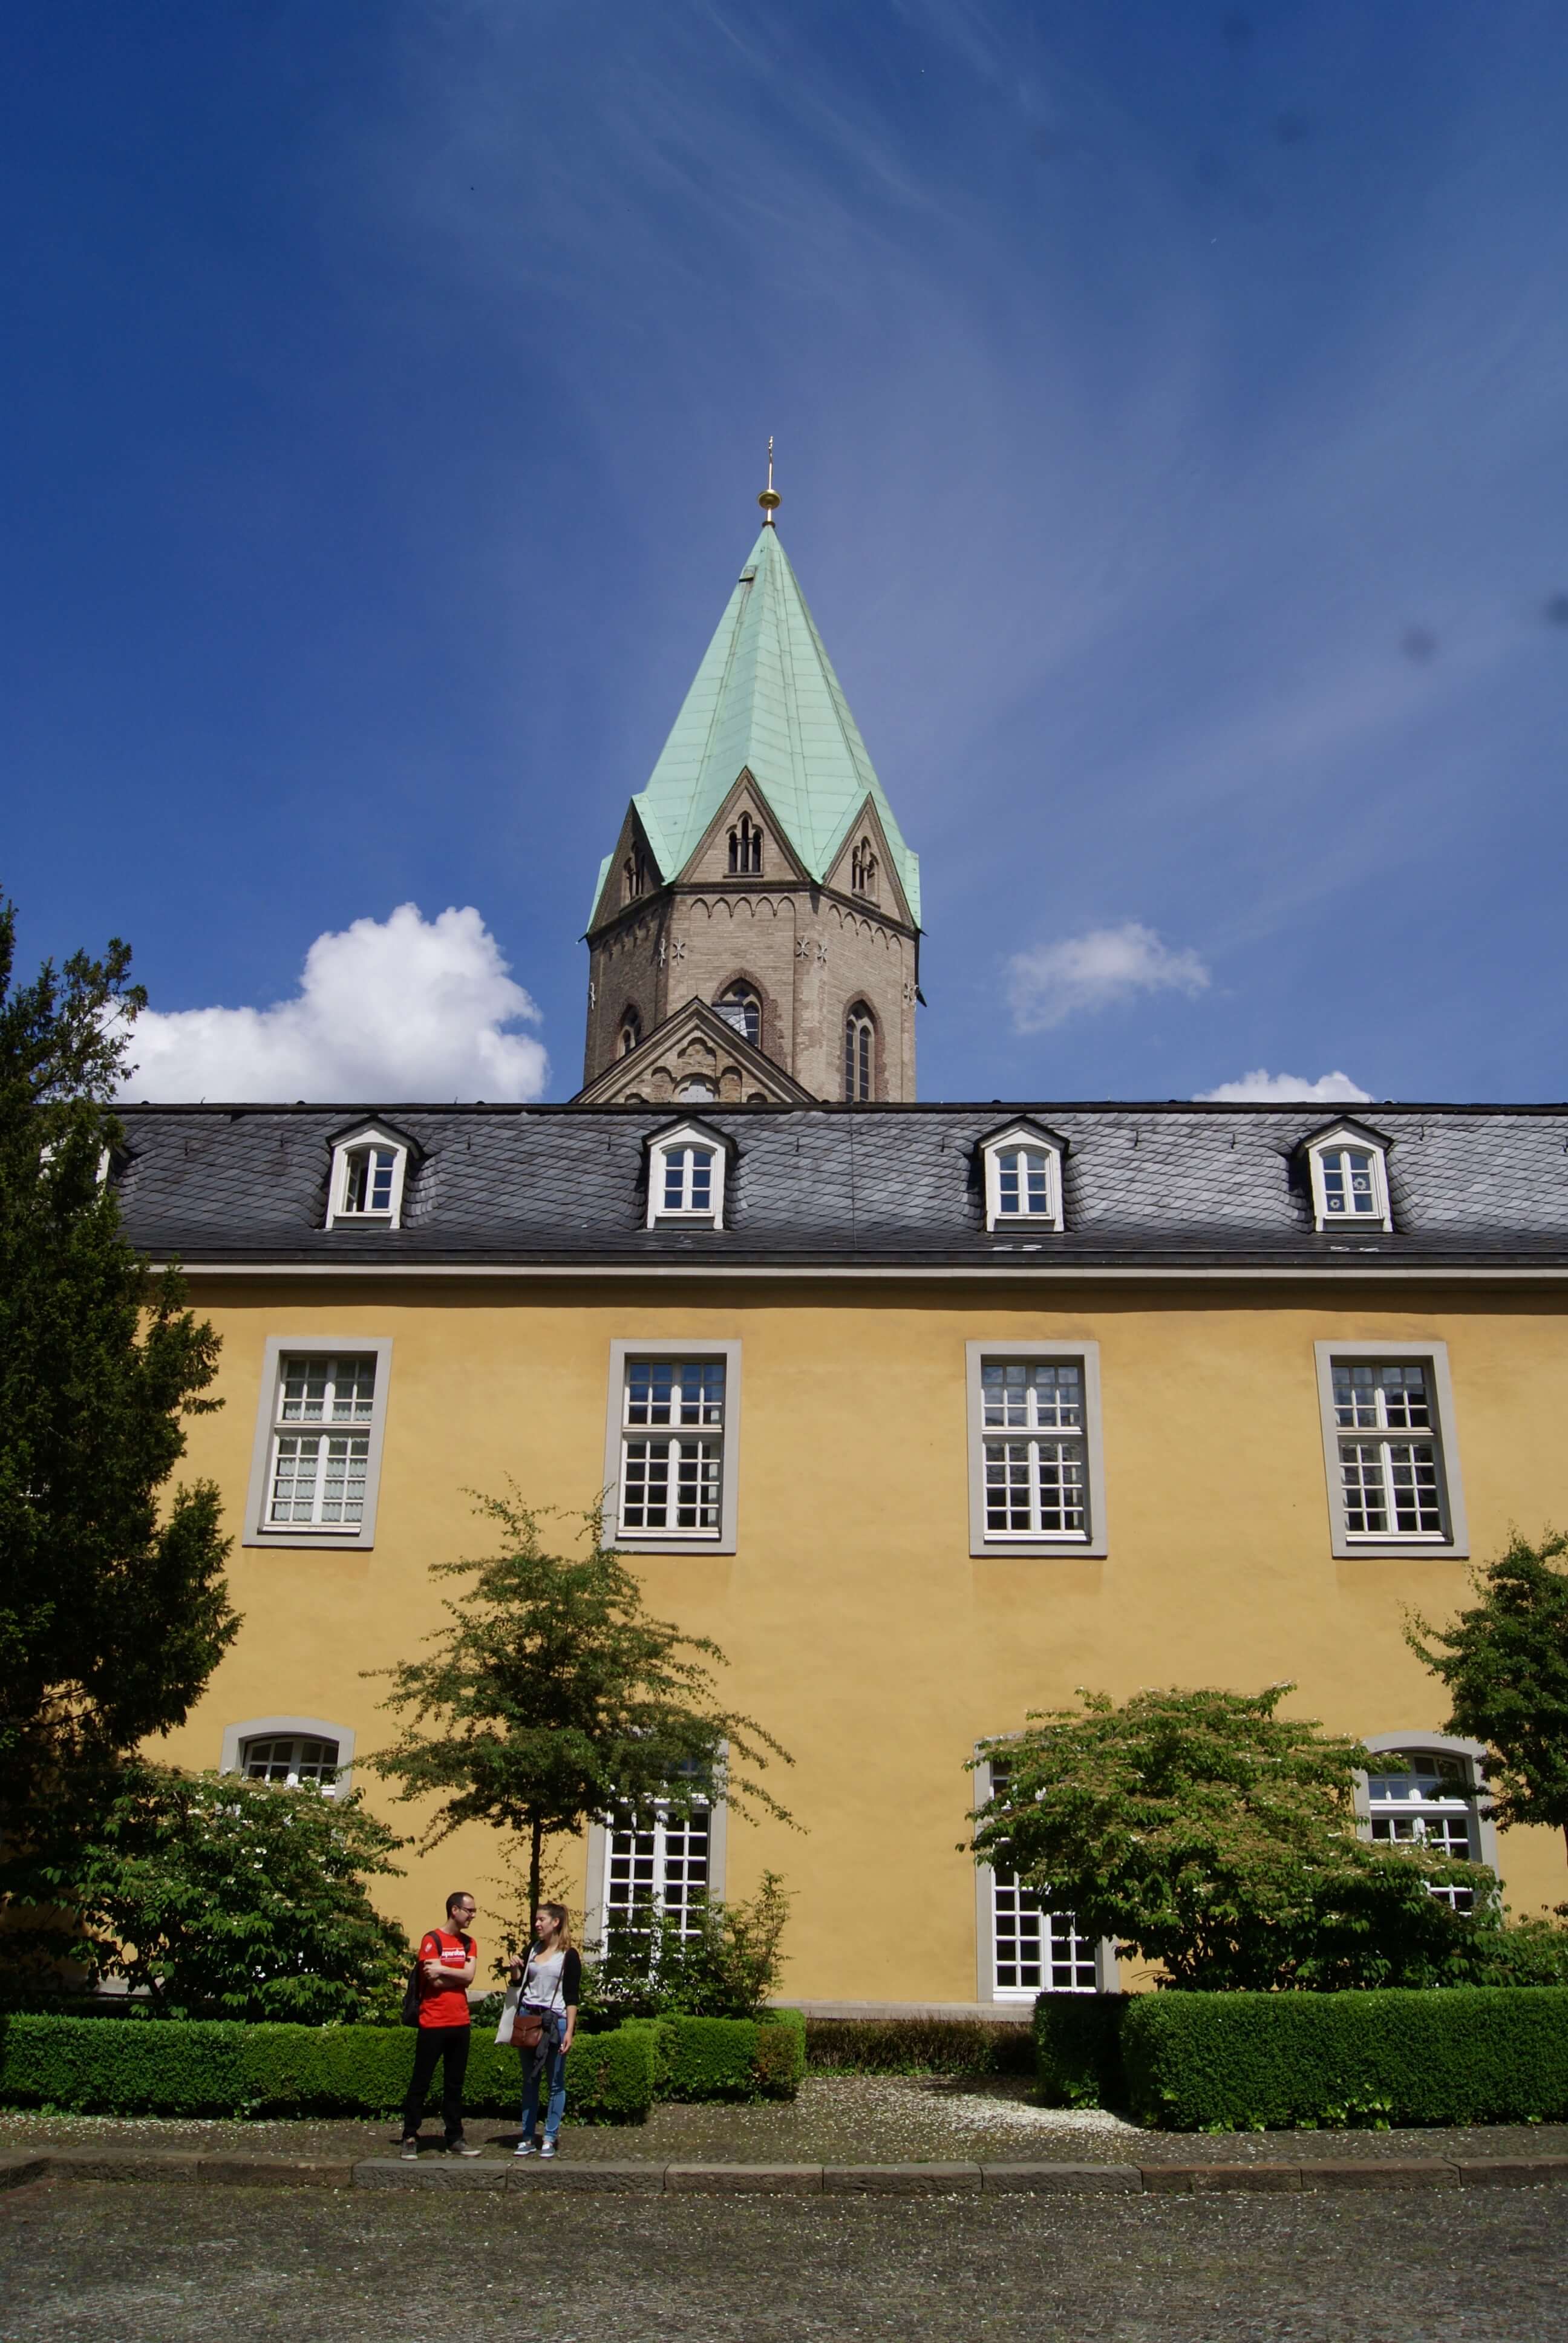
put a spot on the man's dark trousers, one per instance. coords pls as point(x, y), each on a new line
point(449, 2043)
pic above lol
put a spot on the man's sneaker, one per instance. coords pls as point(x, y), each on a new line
point(527, 2147)
point(461, 2147)
point(409, 2151)
point(549, 2148)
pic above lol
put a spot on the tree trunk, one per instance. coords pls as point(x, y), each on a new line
point(536, 1850)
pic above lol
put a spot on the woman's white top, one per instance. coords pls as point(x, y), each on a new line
point(542, 1980)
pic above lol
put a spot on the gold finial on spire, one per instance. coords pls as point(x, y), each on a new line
point(769, 499)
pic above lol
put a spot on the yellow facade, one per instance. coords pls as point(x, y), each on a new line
point(859, 1630)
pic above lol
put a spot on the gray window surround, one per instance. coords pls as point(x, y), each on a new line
point(303, 1728)
point(356, 1541)
point(665, 1346)
point(1107, 1977)
point(1043, 1347)
point(599, 1855)
point(1454, 1546)
point(1446, 1745)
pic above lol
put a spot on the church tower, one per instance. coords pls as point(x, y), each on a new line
point(754, 936)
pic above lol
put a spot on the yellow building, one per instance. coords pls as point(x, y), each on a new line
point(928, 1414)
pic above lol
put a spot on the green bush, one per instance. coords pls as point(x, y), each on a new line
point(724, 2057)
point(917, 2045)
point(172, 2068)
point(1077, 2049)
point(1468, 2053)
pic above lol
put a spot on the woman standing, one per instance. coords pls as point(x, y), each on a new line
point(550, 1983)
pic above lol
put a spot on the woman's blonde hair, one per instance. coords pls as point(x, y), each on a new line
point(561, 1942)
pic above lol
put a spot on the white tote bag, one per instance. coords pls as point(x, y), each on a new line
point(509, 2013)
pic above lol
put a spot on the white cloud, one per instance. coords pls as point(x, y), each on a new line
point(1054, 981)
point(1263, 1089)
point(403, 1008)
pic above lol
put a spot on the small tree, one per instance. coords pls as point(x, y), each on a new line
point(113, 1606)
point(723, 1962)
point(552, 1696)
point(1217, 1837)
point(1505, 1665)
point(230, 1898)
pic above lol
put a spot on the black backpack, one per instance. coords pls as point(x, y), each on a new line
point(411, 1990)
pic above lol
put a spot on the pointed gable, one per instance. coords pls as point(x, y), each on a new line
point(765, 701)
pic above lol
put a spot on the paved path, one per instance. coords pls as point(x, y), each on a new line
point(154, 2263)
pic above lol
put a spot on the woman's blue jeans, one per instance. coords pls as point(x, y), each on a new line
point(549, 2059)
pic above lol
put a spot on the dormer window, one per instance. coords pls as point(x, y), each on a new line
point(1023, 1178)
point(863, 871)
point(1350, 1179)
point(745, 849)
point(739, 1007)
point(369, 1170)
point(686, 1177)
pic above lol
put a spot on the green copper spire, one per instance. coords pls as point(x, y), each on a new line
point(766, 697)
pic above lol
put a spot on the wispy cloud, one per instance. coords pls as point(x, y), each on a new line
point(404, 1008)
point(1052, 982)
point(1262, 1089)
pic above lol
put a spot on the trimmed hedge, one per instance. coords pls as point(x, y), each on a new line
point(917, 2045)
point(169, 2066)
point(1464, 2054)
point(1077, 2049)
point(725, 2057)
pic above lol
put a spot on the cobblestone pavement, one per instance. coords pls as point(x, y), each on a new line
point(837, 2119)
point(151, 2263)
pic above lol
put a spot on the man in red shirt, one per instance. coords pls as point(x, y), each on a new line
point(447, 1960)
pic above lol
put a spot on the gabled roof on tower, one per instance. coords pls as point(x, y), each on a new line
point(766, 700)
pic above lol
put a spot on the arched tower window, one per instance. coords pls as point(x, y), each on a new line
point(746, 848)
point(630, 1031)
point(739, 1006)
point(863, 870)
point(859, 1052)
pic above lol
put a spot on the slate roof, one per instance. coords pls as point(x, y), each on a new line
point(1151, 1186)
point(766, 697)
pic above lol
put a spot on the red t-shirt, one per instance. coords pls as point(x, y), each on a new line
point(445, 2005)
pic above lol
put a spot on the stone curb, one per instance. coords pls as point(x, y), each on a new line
point(499, 2174)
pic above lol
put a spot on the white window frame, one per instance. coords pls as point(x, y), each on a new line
point(296, 1728)
point(344, 1151)
point(1472, 1753)
point(1453, 1542)
point(1007, 1142)
point(600, 1846)
point(361, 1535)
point(1092, 1544)
point(988, 1886)
point(669, 1143)
point(616, 1432)
point(1365, 1142)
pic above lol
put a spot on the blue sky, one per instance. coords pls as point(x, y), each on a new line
point(1170, 403)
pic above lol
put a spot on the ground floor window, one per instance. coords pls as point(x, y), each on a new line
point(658, 1861)
point(290, 1757)
point(1426, 1796)
point(1033, 1949)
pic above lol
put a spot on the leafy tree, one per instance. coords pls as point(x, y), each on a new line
point(231, 1898)
point(1215, 1836)
point(724, 1966)
point(552, 1696)
point(114, 1609)
point(1505, 1665)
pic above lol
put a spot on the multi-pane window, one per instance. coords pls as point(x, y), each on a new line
point(367, 1182)
point(859, 1054)
point(1390, 1462)
point(672, 1447)
point(290, 1757)
point(323, 1411)
point(1425, 1796)
point(1033, 1425)
point(686, 1180)
point(1350, 1183)
point(1022, 1181)
point(658, 1861)
point(739, 1007)
point(1033, 1949)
